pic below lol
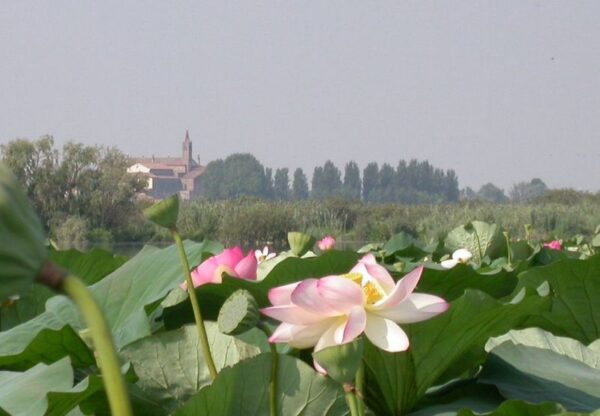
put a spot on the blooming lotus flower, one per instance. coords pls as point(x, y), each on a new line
point(263, 255)
point(459, 256)
point(230, 261)
point(336, 309)
point(553, 245)
point(326, 243)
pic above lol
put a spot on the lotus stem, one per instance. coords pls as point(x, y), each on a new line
point(274, 370)
point(273, 381)
point(114, 384)
point(352, 401)
point(210, 363)
point(360, 388)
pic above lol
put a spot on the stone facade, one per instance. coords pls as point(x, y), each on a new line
point(170, 175)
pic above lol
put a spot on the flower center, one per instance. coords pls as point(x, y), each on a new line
point(371, 290)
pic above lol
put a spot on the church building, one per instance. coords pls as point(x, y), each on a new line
point(170, 175)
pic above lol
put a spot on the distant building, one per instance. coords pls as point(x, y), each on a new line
point(171, 175)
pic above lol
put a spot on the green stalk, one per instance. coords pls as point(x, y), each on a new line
point(273, 381)
point(274, 369)
point(479, 246)
point(360, 388)
point(108, 361)
point(508, 249)
point(212, 369)
point(352, 401)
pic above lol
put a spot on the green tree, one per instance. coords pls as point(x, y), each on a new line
point(240, 174)
point(351, 187)
point(35, 165)
point(213, 178)
point(326, 181)
point(386, 189)
point(90, 183)
point(109, 190)
point(526, 191)
point(269, 192)
point(281, 185)
point(491, 193)
point(299, 185)
point(370, 181)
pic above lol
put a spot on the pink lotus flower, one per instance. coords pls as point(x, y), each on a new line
point(336, 309)
point(553, 245)
point(230, 261)
point(326, 243)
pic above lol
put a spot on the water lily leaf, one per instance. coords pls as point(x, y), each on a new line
point(452, 283)
point(470, 398)
point(517, 407)
point(171, 367)
point(442, 348)
point(123, 296)
point(480, 238)
point(575, 285)
point(90, 267)
point(244, 390)
point(461, 394)
point(405, 245)
point(536, 366)
point(45, 389)
point(292, 269)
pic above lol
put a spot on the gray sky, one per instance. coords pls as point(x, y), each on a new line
point(500, 91)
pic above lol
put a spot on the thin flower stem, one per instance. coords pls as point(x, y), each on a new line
point(273, 381)
point(274, 370)
point(352, 403)
point(360, 388)
point(114, 384)
point(212, 369)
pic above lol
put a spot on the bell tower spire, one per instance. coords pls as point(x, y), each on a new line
point(187, 151)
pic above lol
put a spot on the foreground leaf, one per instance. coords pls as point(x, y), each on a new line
point(123, 297)
point(516, 407)
point(575, 285)
point(480, 238)
point(170, 365)
point(451, 284)
point(244, 390)
point(90, 267)
point(536, 366)
point(44, 390)
point(442, 348)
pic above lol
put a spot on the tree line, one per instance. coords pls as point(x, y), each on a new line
point(413, 182)
point(80, 189)
point(84, 192)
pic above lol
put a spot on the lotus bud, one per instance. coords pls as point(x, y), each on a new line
point(165, 212)
point(238, 314)
point(22, 238)
point(326, 243)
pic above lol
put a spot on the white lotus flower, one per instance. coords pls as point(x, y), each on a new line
point(461, 255)
point(263, 255)
point(334, 310)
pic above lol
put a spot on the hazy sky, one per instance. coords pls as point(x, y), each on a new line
point(500, 91)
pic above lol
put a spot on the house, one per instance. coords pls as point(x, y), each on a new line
point(171, 175)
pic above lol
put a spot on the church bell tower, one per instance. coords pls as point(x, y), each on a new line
point(187, 151)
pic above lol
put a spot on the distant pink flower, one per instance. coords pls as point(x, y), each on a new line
point(336, 309)
point(326, 243)
point(553, 245)
point(230, 261)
